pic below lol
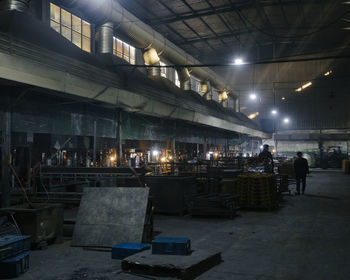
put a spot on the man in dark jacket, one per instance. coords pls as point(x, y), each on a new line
point(301, 168)
point(266, 156)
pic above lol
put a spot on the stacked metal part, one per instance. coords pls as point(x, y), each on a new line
point(258, 191)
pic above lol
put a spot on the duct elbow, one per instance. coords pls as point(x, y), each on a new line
point(18, 5)
point(185, 78)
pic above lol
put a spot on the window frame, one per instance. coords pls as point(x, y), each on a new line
point(70, 28)
point(127, 51)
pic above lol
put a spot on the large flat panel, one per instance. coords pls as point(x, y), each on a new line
point(108, 216)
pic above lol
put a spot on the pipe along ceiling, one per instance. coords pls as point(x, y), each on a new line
point(143, 36)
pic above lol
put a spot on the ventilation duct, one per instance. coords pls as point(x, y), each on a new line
point(184, 78)
point(18, 5)
point(152, 59)
point(236, 104)
point(223, 99)
point(207, 90)
point(141, 35)
point(105, 38)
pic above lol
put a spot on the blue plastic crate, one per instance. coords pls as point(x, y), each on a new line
point(171, 246)
point(123, 250)
point(12, 245)
point(15, 266)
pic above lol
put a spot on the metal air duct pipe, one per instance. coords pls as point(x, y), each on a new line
point(207, 90)
point(141, 35)
point(185, 78)
point(152, 59)
point(18, 5)
point(236, 105)
point(223, 99)
point(105, 38)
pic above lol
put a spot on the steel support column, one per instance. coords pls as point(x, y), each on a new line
point(5, 159)
point(119, 137)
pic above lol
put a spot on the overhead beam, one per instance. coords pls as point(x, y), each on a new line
point(227, 9)
point(185, 23)
point(236, 34)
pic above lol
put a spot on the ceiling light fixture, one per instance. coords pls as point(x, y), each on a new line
point(274, 112)
point(286, 120)
point(328, 73)
point(238, 61)
point(254, 115)
point(304, 86)
point(252, 96)
point(283, 98)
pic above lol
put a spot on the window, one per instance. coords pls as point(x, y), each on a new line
point(123, 50)
point(71, 27)
point(162, 69)
point(177, 81)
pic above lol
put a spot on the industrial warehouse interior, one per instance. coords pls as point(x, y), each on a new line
point(175, 139)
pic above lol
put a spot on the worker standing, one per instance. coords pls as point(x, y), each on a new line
point(301, 168)
point(266, 156)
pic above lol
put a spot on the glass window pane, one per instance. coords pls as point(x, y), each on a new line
point(66, 32)
point(119, 48)
point(132, 61)
point(132, 53)
point(66, 18)
point(126, 49)
point(55, 13)
point(76, 24)
point(86, 29)
point(86, 44)
point(55, 26)
point(76, 39)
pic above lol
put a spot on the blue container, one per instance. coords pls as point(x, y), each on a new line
point(123, 250)
point(15, 266)
point(12, 245)
point(171, 246)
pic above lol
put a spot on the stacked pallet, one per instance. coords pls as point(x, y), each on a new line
point(216, 204)
point(258, 191)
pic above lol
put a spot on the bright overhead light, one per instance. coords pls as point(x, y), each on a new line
point(286, 120)
point(155, 153)
point(328, 73)
point(303, 87)
point(283, 98)
point(252, 96)
point(274, 112)
point(238, 61)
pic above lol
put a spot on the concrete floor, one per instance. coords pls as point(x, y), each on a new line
point(308, 238)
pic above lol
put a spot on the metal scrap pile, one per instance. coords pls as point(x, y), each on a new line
point(258, 191)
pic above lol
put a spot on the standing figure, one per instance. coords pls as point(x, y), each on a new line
point(266, 156)
point(301, 168)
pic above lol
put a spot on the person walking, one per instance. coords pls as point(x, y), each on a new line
point(301, 168)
